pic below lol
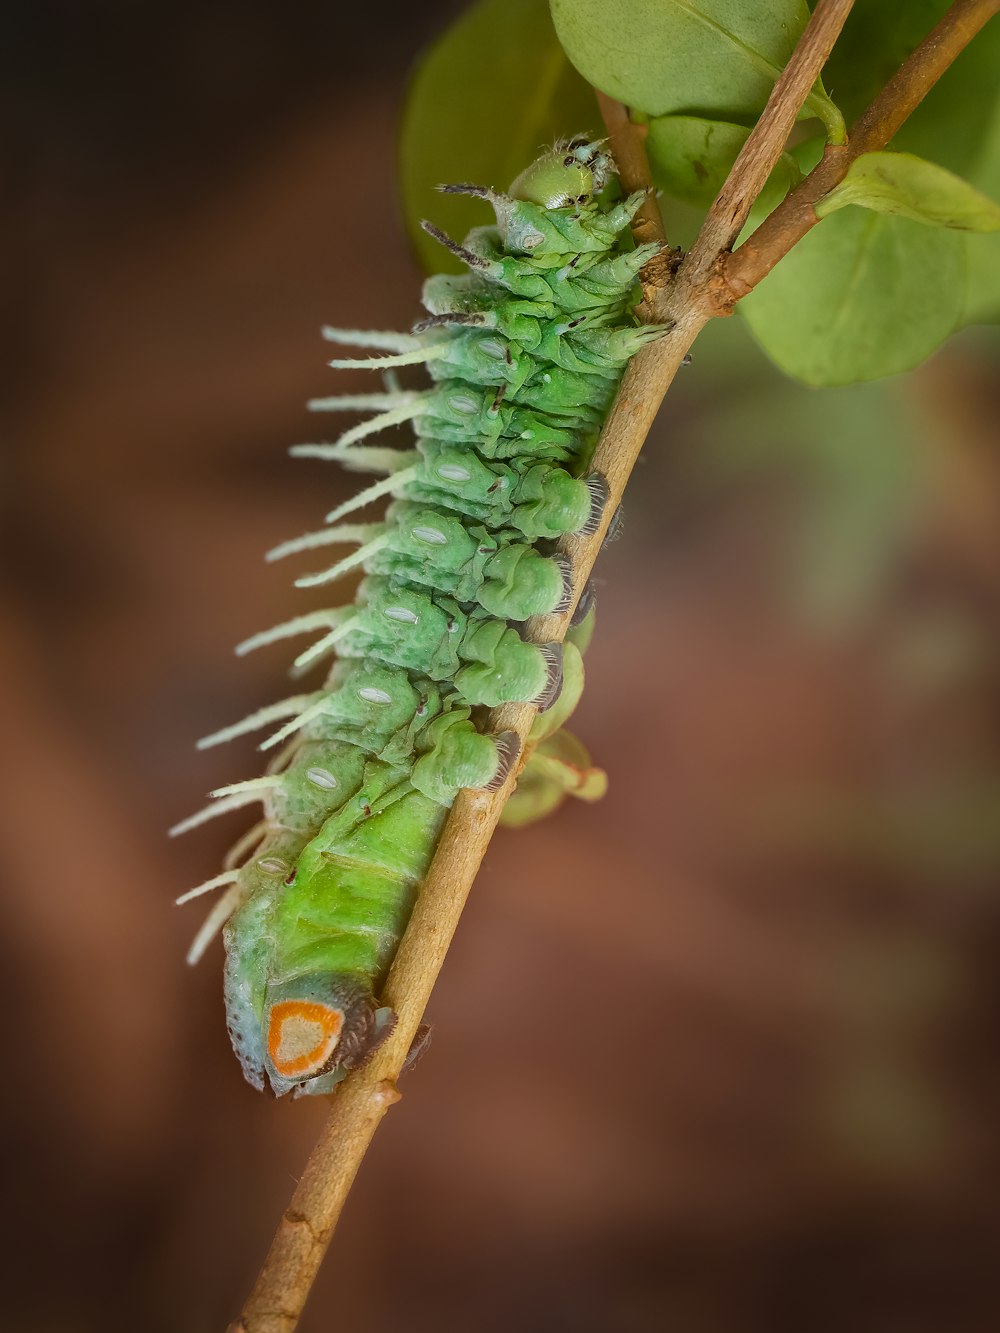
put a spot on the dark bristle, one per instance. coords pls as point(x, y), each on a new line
point(566, 570)
point(614, 527)
point(449, 317)
point(586, 604)
point(476, 191)
point(597, 485)
point(444, 239)
point(508, 745)
point(553, 654)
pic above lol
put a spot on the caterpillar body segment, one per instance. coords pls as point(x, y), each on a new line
point(538, 500)
point(407, 626)
point(567, 284)
point(523, 355)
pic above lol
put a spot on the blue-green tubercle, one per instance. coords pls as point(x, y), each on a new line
point(524, 356)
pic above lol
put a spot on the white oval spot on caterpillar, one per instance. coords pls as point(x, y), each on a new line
point(433, 536)
point(493, 347)
point(401, 613)
point(461, 402)
point(546, 379)
point(452, 472)
point(271, 865)
point(321, 777)
point(372, 695)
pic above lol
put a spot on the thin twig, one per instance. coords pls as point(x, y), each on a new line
point(759, 155)
point(305, 1229)
point(740, 272)
point(628, 148)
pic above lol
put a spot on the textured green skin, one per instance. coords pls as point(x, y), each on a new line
point(343, 912)
point(469, 561)
point(540, 501)
point(381, 842)
point(489, 662)
point(513, 431)
point(525, 355)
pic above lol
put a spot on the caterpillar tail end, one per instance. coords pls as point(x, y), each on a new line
point(319, 1027)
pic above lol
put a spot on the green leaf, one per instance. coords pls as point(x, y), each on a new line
point(874, 42)
point(713, 58)
point(982, 301)
point(861, 296)
point(983, 252)
point(488, 95)
point(559, 767)
point(549, 722)
point(690, 158)
point(910, 187)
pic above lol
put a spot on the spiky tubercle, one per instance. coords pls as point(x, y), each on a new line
point(524, 355)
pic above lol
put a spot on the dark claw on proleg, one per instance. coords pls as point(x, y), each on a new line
point(365, 1029)
point(614, 528)
point(598, 487)
point(418, 1046)
point(553, 654)
point(566, 569)
point(508, 745)
point(585, 605)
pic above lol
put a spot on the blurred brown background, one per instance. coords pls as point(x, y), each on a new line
point(717, 1056)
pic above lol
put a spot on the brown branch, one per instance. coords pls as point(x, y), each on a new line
point(628, 147)
point(741, 271)
point(759, 155)
point(277, 1299)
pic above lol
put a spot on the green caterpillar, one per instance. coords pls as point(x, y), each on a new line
point(525, 354)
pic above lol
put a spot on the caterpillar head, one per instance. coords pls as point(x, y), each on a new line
point(554, 193)
point(316, 1023)
point(572, 172)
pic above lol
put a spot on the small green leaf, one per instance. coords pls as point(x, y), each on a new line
point(690, 158)
point(558, 768)
point(488, 95)
point(712, 58)
point(912, 188)
point(545, 724)
point(861, 296)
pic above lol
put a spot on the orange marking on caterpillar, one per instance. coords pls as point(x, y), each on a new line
point(302, 1035)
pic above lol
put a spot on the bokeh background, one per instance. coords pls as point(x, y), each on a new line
point(716, 1056)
